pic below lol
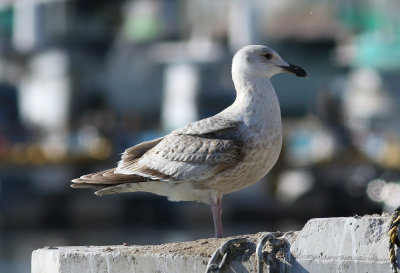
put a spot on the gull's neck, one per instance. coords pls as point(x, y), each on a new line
point(256, 100)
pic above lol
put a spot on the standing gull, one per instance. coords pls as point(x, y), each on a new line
point(214, 156)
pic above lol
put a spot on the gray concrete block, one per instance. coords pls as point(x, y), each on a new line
point(108, 259)
point(351, 244)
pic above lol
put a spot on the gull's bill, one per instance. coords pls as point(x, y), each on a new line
point(295, 70)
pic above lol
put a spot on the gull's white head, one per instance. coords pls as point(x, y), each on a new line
point(262, 61)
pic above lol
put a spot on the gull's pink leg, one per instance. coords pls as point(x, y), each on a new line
point(216, 209)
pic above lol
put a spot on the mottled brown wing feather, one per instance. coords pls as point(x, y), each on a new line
point(199, 149)
point(140, 149)
point(107, 178)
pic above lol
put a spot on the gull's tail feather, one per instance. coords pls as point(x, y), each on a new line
point(105, 179)
point(115, 189)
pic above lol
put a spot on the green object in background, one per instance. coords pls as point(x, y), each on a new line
point(377, 53)
point(141, 28)
point(376, 26)
point(6, 22)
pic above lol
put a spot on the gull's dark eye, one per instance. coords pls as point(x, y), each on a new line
point(268, 56)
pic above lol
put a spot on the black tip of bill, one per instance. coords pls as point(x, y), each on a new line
point(296, 70)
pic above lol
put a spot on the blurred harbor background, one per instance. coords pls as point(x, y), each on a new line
point(80, 81)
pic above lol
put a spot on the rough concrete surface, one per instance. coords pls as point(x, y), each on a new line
point(351, 244)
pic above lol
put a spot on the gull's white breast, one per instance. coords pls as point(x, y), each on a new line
point(261, 133)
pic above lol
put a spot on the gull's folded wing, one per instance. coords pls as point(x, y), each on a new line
point(201, 149)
